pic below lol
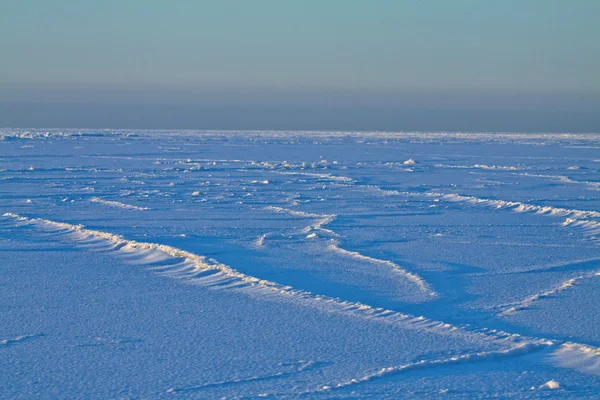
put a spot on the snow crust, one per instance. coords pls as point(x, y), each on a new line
point(202, 264)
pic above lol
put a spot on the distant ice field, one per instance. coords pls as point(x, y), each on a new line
point(208, 264)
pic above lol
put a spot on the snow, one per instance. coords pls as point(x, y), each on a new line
point(203, 264)
point(550, 385)
point(117, 204)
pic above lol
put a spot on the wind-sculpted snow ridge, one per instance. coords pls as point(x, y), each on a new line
point(420, 282)
point(328, 177)
point(498, 204)
point(522, 348)
point(117, 204)
point(578, 219)
point(528, 301)
point(577, 356)
point(19, 339)
point(517, 206)
point(324, 219)
point(590, 227)
point(564, 179)
point(190, 265)
point(201, 270)
point(210, 273)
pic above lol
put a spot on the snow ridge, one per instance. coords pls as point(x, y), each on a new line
point(528, 301)
point(18, 339)
point(324, 219)
point(328, 177)
point(117, 204)
point(565, 179)
point(517, 206)
point(523, 348)
point(201, 270)
point(198, 269)
point(420, 282)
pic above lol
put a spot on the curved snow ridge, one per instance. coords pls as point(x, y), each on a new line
point(577, 356)
point(420, 282)
point(518, 349)
point(528, 301)
point(564, 179)
point(328, 177)
point(190, 265)
point(575, 218)
point(322, 219)
point(210, 273)
point(18, 339)
point(516, 206)
point(117, 204)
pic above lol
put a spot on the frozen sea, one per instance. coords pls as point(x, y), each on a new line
point(199, 264)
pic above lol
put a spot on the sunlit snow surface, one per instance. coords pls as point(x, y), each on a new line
point(138, 264)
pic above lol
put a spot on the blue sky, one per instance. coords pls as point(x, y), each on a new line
point(491, 56)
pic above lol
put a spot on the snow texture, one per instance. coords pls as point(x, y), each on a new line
point(208, 264)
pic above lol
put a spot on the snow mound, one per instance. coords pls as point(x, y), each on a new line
point(552, 384)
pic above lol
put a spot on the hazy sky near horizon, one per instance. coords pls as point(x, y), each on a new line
point(423, 55)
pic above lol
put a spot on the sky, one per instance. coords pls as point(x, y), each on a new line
point(510, 65)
